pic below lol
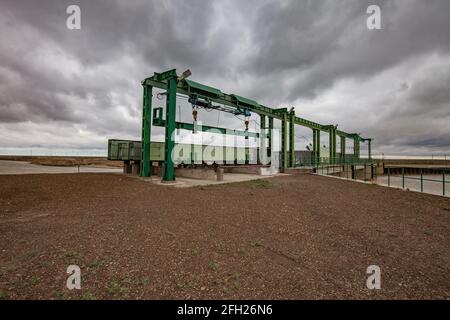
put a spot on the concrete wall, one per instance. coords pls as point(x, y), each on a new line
point(196, 173)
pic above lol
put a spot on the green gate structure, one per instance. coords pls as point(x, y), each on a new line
point(205, 96)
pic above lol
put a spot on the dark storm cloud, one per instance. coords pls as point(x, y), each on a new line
point(323, 41)
point(87, 82)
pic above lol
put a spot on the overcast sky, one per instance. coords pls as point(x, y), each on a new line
point(74, 89)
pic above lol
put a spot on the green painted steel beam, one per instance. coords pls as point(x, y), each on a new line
point(171, 103)
point(244, 102)
point(212, 129)
point(164, 76)
point(146, 131)
point(356, 147)
point(284, 160)
point(292, 139)
point(188, 87)
point(262, 154)
point(308, 124)
point(201, 87)
point(331, 129)
point(316, 147)
point(270, 136)
point(343, 148)
point(225, 99)
point(231, 100)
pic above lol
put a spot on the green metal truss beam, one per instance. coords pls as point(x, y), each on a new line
point(188, 87)
point(292, 139)
point(170, 82)
point(146, 131)
point(171, 104)
point(204, 128)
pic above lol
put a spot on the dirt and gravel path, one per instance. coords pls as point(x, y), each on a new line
point(289, 237)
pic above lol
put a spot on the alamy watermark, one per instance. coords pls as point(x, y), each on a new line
point(74, 280)
point(373, 22)
point(73, 21)
point(374, 279)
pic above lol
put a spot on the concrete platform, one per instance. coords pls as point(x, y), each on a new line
point(299, 170)
point(227, 178)
point(251, 169)
point(23, 167)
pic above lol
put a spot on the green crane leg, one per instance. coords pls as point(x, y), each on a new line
point(235, 150)
point(332, 142)
point(334, 145)
point(356, 146)
point(247, 151)
point(316, 147)
point(269, 149)
point(262, 140)
point(291, 140)
point(171, 102)
point(343, 149)
point(284, 159)
point(146, 131)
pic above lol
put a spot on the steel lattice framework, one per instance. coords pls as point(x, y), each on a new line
point(173, 84)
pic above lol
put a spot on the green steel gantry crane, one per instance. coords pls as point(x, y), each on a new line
point(205, 96)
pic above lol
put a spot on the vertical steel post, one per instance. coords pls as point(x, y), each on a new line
point(421, 179)
point(370, 149)
point(316, 146)
point(171, 102)
point(403, 178)
point(224, 153)
point(247, 150)
point(284, 159)
point(146, 130)
point(262, 140)
point(389, 176)
point(269, 149)
point(235, 150)
point(291, 139)
point(343, 149)
point(332, 143)
point(443, 182)
point(356, 145)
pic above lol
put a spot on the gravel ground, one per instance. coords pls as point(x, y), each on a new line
point(290, 237)
point(23, 167)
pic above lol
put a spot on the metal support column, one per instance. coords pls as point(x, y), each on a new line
point(332, 147)
point(235, 150)
point(146, 131)
point(262, 154)
point(370, 149)
point(247, 150)
point(291, 139)
point(283, 156)
point(171, 102)
point(316, 147)
point(356, 146)
point(269, 149)
point(343, 148)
